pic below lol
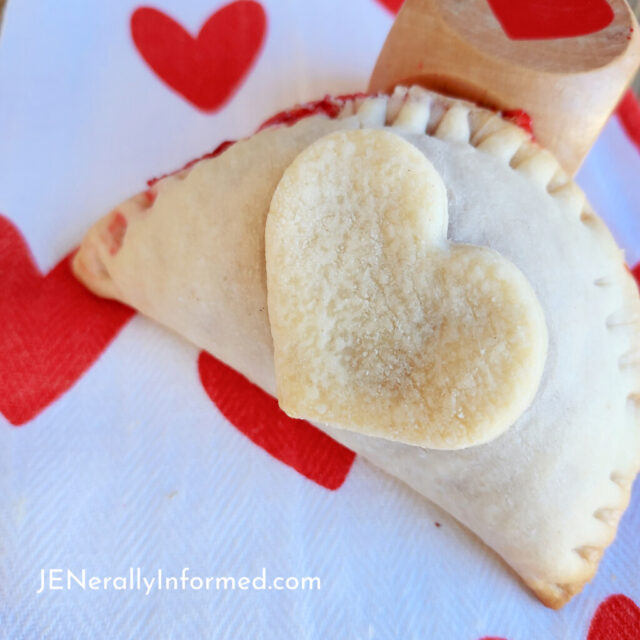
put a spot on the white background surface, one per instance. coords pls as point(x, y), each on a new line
point(134, 466)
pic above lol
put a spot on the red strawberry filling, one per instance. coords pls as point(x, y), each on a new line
point(150, 194)
point(330, 106)
point(521, 118)
point(116, 230)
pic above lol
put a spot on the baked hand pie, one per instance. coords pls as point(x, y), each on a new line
point(396, 220)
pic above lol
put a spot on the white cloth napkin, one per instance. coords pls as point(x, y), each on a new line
point(134, 467)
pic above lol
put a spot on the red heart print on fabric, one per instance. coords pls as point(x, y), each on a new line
point(206, 69)
point(53, 329)
point(548, 19)
point(628, 112)
point(616, 618)
point(257, 415)
point(392, 5)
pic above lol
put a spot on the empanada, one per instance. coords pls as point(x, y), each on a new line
point(548, 493)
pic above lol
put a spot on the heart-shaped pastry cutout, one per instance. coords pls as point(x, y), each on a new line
point(380, 324)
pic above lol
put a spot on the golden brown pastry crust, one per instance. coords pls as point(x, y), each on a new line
point(380, 324)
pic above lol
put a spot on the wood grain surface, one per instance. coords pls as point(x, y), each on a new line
point(635, 5)
point(567, 75)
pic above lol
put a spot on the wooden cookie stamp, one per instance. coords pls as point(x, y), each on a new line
point(566, 64)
